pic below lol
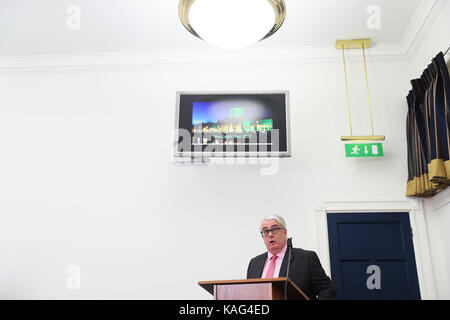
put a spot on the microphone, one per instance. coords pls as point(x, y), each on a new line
point(289, 243)
point(289, 247)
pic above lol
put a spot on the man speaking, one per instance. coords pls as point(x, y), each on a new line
point(305, 269)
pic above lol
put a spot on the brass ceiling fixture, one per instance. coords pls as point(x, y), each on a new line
point(357, 44)
point(279, 7)
point(183, 12)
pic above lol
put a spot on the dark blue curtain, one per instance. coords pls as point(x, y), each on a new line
point(427, 127)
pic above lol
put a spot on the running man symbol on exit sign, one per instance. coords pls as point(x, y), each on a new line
point(363, 150)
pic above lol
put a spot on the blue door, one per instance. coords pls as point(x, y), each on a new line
point(372, 256)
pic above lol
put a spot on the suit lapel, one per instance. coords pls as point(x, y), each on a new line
point(259, 267)
point(283, 268)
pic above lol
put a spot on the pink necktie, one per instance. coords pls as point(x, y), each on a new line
point(271, 267)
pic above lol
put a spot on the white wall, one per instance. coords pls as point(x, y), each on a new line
point(437, 211)
point(87, 178)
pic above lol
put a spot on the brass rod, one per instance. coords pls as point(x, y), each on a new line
point(363, 138)
point(346, 87)
point(367, 86)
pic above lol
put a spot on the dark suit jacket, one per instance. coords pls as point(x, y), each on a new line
point(305, 271)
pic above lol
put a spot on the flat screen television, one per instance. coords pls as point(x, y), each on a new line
point(242, 124)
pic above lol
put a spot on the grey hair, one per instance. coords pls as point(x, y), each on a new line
point(275, 217)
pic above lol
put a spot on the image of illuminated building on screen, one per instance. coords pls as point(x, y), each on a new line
point(234, 123)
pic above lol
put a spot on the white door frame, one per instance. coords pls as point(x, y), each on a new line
point(418, 225)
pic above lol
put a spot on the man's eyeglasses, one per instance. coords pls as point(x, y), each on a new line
point(274, 230)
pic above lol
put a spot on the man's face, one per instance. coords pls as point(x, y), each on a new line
point(274, 242)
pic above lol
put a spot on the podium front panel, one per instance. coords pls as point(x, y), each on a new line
point(247, 291)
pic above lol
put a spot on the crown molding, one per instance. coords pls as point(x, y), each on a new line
point(421, 23)
point(80, 62)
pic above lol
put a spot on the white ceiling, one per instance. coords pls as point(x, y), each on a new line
point(30, 27)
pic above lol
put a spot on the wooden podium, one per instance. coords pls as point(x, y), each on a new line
point(253, 289)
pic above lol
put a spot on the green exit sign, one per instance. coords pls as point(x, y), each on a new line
point(363, 150)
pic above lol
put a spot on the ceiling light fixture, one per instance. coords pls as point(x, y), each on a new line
point(232, 24)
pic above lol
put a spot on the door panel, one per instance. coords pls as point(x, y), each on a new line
point(356, 270)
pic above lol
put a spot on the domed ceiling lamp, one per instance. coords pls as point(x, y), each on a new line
point(232, 24)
